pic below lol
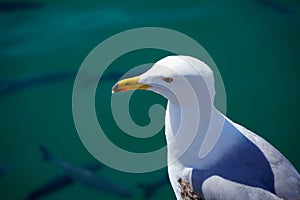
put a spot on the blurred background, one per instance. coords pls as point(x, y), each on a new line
point(254, 43)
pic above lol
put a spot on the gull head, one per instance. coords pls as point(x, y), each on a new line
point(173, 77)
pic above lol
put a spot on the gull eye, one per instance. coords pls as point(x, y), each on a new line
point(167, 79)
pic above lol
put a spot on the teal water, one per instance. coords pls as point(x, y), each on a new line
point(254, 43)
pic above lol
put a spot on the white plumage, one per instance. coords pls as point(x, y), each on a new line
point(238, 165)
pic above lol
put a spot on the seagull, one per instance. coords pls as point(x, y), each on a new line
point(210, 156)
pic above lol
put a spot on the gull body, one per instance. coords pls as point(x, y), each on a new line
point(217, 157)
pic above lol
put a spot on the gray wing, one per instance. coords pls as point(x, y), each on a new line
point(286, 177)
point(252, 169)
point(216, 187)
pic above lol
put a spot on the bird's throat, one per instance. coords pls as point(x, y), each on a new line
point(191, 132)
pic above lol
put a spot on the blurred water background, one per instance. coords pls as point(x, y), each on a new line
point(255, 44)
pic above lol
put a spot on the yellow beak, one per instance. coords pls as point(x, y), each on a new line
point(129, 84)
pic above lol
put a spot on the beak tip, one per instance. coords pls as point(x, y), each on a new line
point(115, 88)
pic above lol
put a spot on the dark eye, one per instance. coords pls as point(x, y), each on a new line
point(167, 79)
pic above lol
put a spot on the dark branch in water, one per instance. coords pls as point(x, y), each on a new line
point(18, 6)
point(149, 189)
point(50, 187)
point(275, 5)
point(10, 85)
point(2, 170)
point(83, 174)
